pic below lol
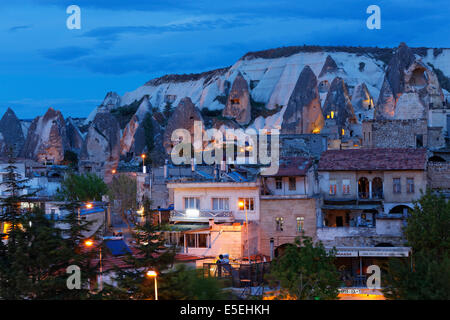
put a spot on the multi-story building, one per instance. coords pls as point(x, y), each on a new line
point(207, 218)
point(366, 195)
point(287, 205)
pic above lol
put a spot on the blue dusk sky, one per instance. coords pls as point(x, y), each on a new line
point(124, 43)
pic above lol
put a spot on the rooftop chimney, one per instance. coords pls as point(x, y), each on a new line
point(165, 169)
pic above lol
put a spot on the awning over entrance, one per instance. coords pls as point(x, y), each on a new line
point(372, 251)
point(187, 227)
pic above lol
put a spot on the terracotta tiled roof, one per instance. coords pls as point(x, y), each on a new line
point(372, 159)
point(293, 166)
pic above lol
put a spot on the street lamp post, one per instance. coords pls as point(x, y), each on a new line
point(242, 205)
point(90, 243)
point(143, 163)
point(153, 274)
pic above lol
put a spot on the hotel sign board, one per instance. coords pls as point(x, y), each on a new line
point(384, 253)
point(372, 252)
point(347, 253)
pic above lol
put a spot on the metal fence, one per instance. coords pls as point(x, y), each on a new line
point(242, 275)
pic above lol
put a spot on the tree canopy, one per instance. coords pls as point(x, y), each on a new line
point(427, 232)
point(83, 187)
point(305, 271)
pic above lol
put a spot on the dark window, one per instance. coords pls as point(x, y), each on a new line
point(410, 185)
point(190, 240)
point(292, 183)
point(397, 185)
point(202, 240)
point(339, 221)
point(419, 141)
point(278, 183)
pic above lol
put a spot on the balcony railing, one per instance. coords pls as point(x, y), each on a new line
point(366, 195)
point(284, 194)
point(195, 215)
point(330, 233)
point(363, 195)
point(377, 194)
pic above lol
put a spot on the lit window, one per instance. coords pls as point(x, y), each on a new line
point(220, 204)
point(397, 185)
point(279, 223)
point(332, 114)
point(292, 183)
point(345, 186)
point(300, 221)
point(332, 187)
point(248, 204)
point(192, 203)
point(278, 183)
point(410, 185)
point(343, 132)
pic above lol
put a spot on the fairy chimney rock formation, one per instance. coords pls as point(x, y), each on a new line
point(238, 104)
point(12, 137)
point(303, 113)
point(183, 117)
point(47, 138)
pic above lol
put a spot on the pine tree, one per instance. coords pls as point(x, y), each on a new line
point(38, 250)
point(12, 280)
point(76, 190)
point(149, 253)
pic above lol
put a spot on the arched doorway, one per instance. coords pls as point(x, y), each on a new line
point(377, 188)
point(363, 188)
point(384, 245)
point(436, 159)
point(400, 209)
point(279, 251)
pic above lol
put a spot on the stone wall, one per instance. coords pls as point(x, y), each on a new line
point(435, 139)
point(439, 175)
point(394, 133)
point(302, 145)
point(289, 210)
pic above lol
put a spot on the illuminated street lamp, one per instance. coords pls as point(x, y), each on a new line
point(89, 205)
point(153, 274)
point(143, 162)
point(113, 171)
point(242, 205)
point(89, 243)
